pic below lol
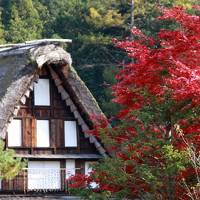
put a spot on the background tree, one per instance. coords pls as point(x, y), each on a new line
point(24, 22)
point(91, 25)
point(160, 97)
point(9, 166)
point(2, 31)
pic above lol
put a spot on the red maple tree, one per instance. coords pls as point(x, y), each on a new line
point(159, 91)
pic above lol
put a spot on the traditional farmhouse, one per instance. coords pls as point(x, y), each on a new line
point(44, 115)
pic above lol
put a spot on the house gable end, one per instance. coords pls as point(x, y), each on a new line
point(57, 113)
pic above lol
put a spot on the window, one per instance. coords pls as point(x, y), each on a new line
point(88, 170)
point(70, 168)
point(42, 133)
point(42, 93)
point(44, 175)
point(15, 133)
point(70, 134)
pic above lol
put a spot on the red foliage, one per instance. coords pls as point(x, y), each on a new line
point(173, 68)
point(163, 70)
point(100, 122)
point(78, 181)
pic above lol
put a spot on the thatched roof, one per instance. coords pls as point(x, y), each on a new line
point(19, 65)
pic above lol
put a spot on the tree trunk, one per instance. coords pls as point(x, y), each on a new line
point(132, 18)
point(168, 136)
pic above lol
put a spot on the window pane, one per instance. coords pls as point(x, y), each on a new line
point(70, 134)
point(42, 92)
point(42, 133)
point(88, 170)
point(70, 168)
point(15, 133)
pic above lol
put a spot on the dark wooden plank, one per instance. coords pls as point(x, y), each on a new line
point(53, 133)
point(80, 166)
point(59, 133)
point(42, 112)
point(26, 124)
point(62, 175)
point(43, 71)
point(33, 132)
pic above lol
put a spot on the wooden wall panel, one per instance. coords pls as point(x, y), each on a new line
point(41, 112)
point(19, 183)
point(42, 150)
point(53, 133)
point(27, 132)
point(43, 71)
point(85, 145)
point(25, 112)
point(63, 174)
point(80, 166)
point(33, 132)
point(61, 113)
point(59, 131)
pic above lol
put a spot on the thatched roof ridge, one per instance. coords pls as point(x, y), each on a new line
point(84, 93)
point(18, 71)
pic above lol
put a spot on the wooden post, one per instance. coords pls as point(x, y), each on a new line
point(24, 177)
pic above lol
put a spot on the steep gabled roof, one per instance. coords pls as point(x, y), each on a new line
point(19, 64)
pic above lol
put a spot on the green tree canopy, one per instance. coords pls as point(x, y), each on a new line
point(24, 23)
